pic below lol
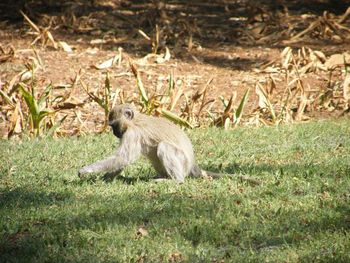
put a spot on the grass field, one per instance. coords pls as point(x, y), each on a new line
point(301, 212)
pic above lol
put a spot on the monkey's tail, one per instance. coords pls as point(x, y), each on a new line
point(241, 177)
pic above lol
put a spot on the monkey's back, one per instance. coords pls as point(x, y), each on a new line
point(161, 130)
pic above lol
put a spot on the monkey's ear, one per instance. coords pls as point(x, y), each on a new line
point(129, 113)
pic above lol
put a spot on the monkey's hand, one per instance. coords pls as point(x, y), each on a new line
point(84, 170)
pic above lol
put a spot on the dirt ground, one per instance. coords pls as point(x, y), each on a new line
point(232, 44)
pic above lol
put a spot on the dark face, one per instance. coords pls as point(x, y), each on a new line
point(119, 118)
point(117, 130)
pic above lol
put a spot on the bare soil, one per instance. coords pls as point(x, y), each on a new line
point(230, 42)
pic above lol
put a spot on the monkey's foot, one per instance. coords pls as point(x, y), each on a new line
point(108, 177)
point(158, 180)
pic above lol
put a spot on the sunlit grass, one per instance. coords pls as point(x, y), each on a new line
point(300, 213)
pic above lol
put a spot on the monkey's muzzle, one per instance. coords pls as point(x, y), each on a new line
point(117, 131)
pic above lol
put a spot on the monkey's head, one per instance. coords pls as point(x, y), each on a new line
point(120, 118)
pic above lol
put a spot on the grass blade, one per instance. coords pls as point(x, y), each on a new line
point(176, 119)
point(7, 99)
point(30, 22)
point(264, 101)
point(45, 94)
point(51, 131)
point(30, 100)
point(140, 86)
point(239, 111)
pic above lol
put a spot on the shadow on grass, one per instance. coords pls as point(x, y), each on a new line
point(24, 197)
point(197, 221)
point(292, 169)
point(221, 219)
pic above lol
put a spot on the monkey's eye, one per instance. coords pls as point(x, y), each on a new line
point(129, 114)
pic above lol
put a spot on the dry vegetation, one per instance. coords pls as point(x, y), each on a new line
point(222, 63)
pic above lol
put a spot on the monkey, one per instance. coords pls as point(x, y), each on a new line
point(166, 145)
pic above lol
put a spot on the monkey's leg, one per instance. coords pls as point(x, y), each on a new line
point(197, 172)
point(173, 160)
point(157, 164)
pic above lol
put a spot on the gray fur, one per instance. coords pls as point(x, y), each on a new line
point(167, 146)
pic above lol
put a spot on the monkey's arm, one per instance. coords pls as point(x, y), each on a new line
point(128, 152)
point(111, 164)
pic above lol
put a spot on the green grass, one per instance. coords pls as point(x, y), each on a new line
point(301, 212)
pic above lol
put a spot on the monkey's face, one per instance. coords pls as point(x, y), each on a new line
point(117, 130)
point(119, 119)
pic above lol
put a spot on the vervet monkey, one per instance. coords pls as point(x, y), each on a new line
point(162, 142)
